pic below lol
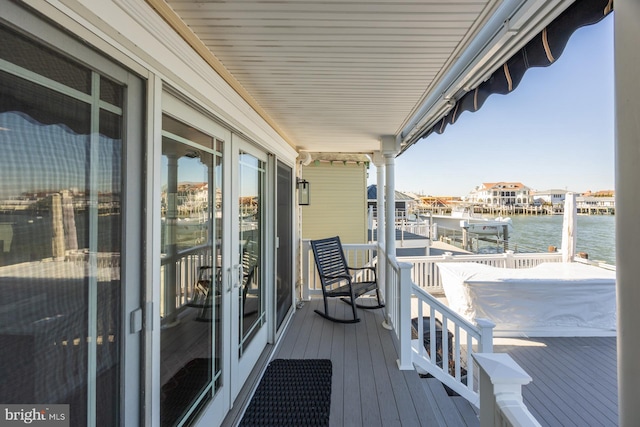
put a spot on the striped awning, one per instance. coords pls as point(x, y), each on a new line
point(543, 50)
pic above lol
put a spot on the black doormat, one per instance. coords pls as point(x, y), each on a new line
point(292, 392)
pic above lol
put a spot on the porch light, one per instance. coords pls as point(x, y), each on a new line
point(303, 192)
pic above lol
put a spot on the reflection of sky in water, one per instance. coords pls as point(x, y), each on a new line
point(52, 157)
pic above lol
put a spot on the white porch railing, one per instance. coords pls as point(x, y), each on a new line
point(178, 277)
point(425, 273)
point(448, 357)
point(452, 364)
point(501, 381)
point(450, 360)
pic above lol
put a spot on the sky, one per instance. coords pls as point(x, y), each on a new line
point(554, 131)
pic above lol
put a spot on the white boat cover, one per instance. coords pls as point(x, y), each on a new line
point(551, 299)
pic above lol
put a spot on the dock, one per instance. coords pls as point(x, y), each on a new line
point(585, 207)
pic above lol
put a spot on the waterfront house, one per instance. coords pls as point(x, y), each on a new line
point(118, 299)
point(501, 194)
point(596, 205)
point(554, 198)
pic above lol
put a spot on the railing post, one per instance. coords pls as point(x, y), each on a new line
point(382, 271)
point(486, 335)
point(403, 329)
point(509, 261)
point(501, 378)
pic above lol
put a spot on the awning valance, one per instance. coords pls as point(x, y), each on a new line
point(543, 50)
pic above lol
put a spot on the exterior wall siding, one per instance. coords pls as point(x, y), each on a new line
point(338, 202)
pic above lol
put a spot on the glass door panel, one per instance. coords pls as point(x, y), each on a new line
point(248, 290)
point(191, 276)
point(61, 232)
point(250, 249)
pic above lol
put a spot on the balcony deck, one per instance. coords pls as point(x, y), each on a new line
point(574, 379)
point(368, 389)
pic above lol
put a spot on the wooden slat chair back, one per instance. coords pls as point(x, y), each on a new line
point(337, 279)
point(249, 266)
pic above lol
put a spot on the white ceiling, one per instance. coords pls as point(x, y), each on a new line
point(336, 75)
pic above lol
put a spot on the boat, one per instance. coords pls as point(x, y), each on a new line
point(463, 217)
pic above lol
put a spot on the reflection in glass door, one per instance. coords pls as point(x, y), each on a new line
point(251, 179)
point(63, 288)
point(191, 276)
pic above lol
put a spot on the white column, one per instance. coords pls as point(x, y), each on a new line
point(389, 148)
point(389, 227)
point(627, 111)
point(378, 161)
point(390, 204)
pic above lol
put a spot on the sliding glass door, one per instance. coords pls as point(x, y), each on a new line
point(69, 135)
point(248, 256)
point(191, 291)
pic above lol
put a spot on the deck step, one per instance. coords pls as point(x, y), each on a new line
point(449, 412)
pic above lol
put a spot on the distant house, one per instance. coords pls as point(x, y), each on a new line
point(596, 204)
point(549, 197)
point(601, 193)
point(439, 201)
point(404, 202)
point(501, 194)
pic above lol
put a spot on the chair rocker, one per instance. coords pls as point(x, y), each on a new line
point(337, 281)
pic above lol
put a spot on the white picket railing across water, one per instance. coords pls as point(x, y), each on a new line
point(425, 273)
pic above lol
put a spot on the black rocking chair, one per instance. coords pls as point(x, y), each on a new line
point(337, 281)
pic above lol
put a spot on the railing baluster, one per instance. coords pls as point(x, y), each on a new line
point(456, 361)
point(432, 335)
point(470, 362)
point(444, 337)
point(420, 324)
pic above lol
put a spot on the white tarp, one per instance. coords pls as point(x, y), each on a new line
point(551, 299)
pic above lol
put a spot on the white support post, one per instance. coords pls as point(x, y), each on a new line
point(509, 260)
point(389, 148)
point(404, 309)
point(390, 202)
point(569, 225)
point(378, 161)
point(486, 335)
point(501, 379)
point(627, 140)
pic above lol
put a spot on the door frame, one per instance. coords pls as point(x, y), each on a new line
point(175, 105)
point(241, 366)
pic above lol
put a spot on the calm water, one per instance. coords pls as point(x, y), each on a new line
point(596, 235)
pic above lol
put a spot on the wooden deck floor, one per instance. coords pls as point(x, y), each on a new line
point(574, 379)
point(368, 389)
